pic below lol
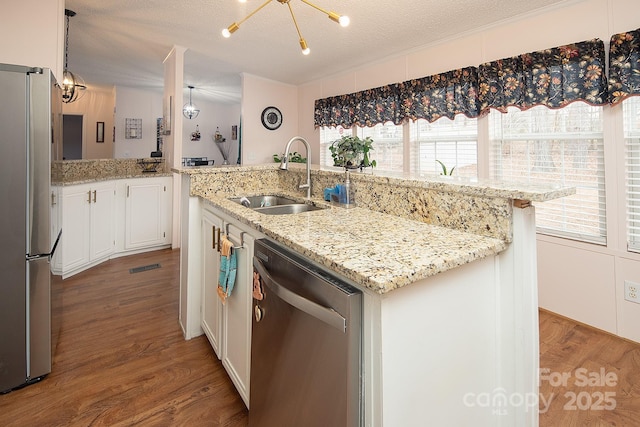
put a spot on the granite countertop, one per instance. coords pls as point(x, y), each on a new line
point(79, 181)
point(376, 250)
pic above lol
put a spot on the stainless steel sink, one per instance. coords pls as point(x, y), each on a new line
point(275, 205)
point(287, 209)
point(263, 201)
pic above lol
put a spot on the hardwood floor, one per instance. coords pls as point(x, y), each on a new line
point(593, 378)
point(122, 360)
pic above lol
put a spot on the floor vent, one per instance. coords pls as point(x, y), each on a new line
point(144, 268)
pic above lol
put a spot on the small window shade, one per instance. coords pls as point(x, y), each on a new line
point(565, 147)
point(631, 108)
point(452, 142)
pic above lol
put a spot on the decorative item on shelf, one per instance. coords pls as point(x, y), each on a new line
point(189, 110)
point(351, 152)
point(72, 84)
point(340, 19)
point(222, 145)
point(133, 128)
point(294, 157)
point(195, 136)
point(444, 169)
point(149, 165)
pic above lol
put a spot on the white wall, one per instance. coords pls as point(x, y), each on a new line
point(37, 41)
point(212, 115)
point(95, 105)
point(258, 143)
point(136, 104)
point(580, 281)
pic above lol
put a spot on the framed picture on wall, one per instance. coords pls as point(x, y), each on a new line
point(99, 131)
point(234, 132)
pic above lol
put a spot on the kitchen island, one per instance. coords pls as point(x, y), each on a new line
point(448, 272)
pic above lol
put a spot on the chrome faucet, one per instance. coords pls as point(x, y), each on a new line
point(285, 162)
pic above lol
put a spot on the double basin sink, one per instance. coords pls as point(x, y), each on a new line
point(275, 205)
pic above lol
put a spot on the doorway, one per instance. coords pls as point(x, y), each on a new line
point(72, 137)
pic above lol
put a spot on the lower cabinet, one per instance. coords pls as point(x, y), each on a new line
point(228, 325)
point(147, 222)
point(87, 224)
point(96, 218)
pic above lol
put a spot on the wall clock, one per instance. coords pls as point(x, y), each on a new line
point(271, 118)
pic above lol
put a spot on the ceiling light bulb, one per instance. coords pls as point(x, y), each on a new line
point(304, 47)
point(226, 33)
point(344, 21)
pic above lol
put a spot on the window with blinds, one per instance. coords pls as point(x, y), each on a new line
point(327, 136)
point(631, 113)
point(388, 146)
point(563, 146)
point(454, 143)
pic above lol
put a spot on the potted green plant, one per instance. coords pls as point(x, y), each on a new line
point(351, 152)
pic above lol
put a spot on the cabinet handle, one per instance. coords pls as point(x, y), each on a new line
point(213, 237)
point(53, 199)
point(127, 191)
point(89, 194)
point(94, 196)
point(219, 239)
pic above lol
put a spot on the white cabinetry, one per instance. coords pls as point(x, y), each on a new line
point(147, 213)
point(228, 325)
point(211, 304)
point(87, 224)
point(109, 219)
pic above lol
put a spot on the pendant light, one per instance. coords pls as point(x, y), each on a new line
point(339, 19)
point(189, 110)
point(72, 85)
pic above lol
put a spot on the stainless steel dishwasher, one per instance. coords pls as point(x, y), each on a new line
point(305, 343)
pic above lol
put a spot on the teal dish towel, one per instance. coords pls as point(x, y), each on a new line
point(228, 269)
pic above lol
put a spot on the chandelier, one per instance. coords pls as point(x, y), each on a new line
point(189, 110)
point(72, 85)
point(340, 19)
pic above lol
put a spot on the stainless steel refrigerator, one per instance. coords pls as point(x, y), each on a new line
point(29, 107)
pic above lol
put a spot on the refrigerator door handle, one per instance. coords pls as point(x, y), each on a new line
point(49, 255)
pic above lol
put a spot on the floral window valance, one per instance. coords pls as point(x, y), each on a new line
point(624, 66)
point(440, 95)
point(552, 77)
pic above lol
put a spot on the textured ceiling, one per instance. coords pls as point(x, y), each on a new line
point(123, 42)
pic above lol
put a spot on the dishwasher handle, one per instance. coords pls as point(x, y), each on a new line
point(327, 315)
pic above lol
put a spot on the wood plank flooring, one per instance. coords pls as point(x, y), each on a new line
point(593, 378)
point(122, 360)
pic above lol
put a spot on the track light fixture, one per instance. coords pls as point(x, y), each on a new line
point(340, 19)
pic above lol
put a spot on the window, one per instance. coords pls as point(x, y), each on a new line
point(563, 146)
point(327, 136)
point(631, 113)
point(387, 146)
point(452, 142)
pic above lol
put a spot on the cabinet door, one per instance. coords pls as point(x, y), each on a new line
point(211, 304)
point(144, 208)
point(102, 220)
point(76, 226)
point(236, 313)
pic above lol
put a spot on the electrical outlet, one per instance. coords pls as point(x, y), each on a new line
point(632, 292)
